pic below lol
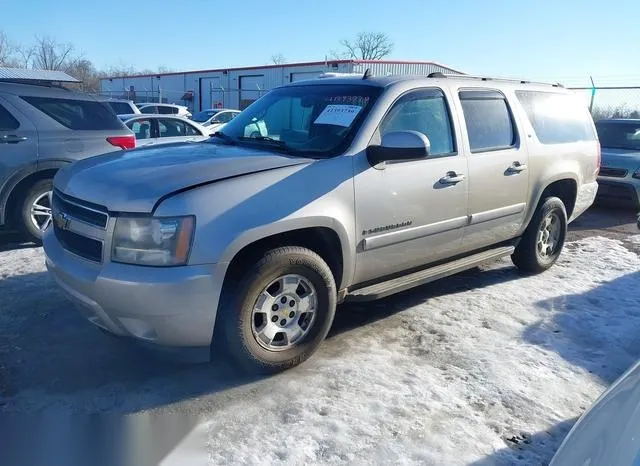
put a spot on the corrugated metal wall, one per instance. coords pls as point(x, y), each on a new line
point(236, 88)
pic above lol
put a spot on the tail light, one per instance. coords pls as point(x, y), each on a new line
point(123, 142)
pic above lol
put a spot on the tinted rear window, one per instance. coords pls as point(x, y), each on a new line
point(488, 119)
point(77, 114)
point(557, 118)
point(121, 108)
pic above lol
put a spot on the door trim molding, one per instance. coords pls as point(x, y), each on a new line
point(408, 234)
point(495, 214)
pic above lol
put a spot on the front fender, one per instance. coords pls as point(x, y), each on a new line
point(234, 213)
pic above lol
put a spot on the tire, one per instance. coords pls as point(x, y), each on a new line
point(237, 324)
point(30, 231)
point(530, 256)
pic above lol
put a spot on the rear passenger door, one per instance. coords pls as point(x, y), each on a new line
point(498, 172)
point(18, 141)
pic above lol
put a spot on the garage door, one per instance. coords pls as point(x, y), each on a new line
point(304, 75)
point(211, 95)
point(251, 89)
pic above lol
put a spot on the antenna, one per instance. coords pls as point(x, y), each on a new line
point(367, 74)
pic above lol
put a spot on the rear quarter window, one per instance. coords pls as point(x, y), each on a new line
point(557, 118)
point(82, 115)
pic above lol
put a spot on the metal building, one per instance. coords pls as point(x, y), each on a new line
point(239, 87)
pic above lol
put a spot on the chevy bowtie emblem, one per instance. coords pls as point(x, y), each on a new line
point(62, 220)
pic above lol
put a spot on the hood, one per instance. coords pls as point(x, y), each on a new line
point(620, 158)
point(134, 181)
point(609, 431)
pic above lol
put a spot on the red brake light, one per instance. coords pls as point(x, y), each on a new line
point(123, 142)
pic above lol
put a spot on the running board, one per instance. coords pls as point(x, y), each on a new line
point(405, 282)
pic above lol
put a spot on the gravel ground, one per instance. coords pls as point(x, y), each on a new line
point(398, 379)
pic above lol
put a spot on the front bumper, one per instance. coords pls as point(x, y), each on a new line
point(170, 306)
point(621, 191)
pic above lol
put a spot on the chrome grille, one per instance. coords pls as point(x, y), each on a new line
point(79, 226)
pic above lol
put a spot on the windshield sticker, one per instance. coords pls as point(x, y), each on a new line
point(339, 115)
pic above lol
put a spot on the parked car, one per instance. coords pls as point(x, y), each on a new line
point(608, 432)
point(164, 129)
point(619, 177)
point(349, 189)
point(122, 106)
point(42, 129)
point(165, 109)
point(215, 117)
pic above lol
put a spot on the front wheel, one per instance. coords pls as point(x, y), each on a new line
point(279, 313)
point(544, 238)
point(34, 215)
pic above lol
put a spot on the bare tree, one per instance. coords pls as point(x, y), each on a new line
point(49, 54)
point(368, 46)
point(7, 51)
point(278, 59)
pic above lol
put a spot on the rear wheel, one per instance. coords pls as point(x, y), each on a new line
point(34, 213)
point(279, 313)
point(544, 238)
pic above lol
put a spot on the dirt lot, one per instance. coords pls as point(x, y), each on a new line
point(416, 378)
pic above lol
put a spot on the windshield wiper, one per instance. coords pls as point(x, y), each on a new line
point(268, 139)
point(224, 137)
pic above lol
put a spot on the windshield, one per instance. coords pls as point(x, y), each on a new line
point(619, 135)
point(203, 116)
point(315, 120)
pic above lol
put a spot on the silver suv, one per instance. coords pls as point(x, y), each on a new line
point(42, 129)
point(321, 191)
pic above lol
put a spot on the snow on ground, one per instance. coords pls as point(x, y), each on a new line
point(487, 367)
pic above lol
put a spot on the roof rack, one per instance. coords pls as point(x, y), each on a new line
point(439, 74)
point(37, 77)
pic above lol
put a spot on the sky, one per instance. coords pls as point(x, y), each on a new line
point(566, 40)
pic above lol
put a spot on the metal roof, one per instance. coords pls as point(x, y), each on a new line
point(25, 75)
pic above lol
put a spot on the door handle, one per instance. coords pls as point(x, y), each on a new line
point(452, 178)
point(12, 139)
point(516, 167)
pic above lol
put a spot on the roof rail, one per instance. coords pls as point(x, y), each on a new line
point(438, 74)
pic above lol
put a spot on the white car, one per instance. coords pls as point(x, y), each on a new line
point(608, 432)
point(164, 129)
point(215, 117)
point(164, 109)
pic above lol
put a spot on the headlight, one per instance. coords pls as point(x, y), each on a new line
point(152, 241)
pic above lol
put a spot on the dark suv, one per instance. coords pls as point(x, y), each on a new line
point(43, 128)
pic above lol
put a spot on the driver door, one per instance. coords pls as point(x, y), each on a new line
point(411, 213)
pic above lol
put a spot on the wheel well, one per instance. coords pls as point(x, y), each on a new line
point(21, 188)
point(566, 190)
point(321, 240)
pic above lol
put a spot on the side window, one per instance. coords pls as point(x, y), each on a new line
point(76, 114)
point(425, 111)
point(7, 120)
point(149, 109)
point(488, 119)
point(191, 130)
point(171, 128)
point(167, 110)
point(141, 128)
point(557, 118)
point(224, 117)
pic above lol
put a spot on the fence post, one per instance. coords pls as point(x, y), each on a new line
point(593, 94)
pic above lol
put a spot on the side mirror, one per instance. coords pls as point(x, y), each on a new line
point(399, 146)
